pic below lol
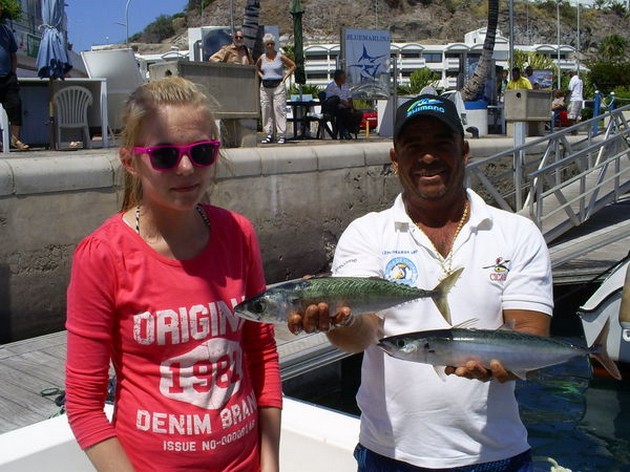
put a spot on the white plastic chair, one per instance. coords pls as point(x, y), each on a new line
point(4, 129)
point(71, 105)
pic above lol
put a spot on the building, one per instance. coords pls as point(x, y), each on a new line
point(449, 60)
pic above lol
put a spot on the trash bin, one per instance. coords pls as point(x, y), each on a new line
point(477, 116)
point(531, 106)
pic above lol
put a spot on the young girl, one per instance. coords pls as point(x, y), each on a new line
point(152, 290)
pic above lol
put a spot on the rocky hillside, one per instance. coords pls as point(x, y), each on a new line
point(424, 21)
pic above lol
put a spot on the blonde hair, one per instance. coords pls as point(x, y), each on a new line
point(144, 102)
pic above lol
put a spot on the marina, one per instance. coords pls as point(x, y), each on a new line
point(33, 368)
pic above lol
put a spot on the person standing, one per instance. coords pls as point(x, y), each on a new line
point(274, 68)
point(235, 53)
point(518, 82)
point(411, 419)
point(9, 87)
point(152, 291)
point(576, 99)
point(348, 118)
point(529, 74)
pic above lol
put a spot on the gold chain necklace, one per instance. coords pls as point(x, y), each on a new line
point(446, 262)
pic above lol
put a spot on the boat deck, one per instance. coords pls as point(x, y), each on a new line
point(34, 366)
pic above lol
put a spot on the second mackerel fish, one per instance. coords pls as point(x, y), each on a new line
point(361, 294)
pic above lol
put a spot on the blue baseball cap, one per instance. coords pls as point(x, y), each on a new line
point(428, 105)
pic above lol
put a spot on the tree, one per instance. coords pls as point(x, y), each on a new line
point(11, 9)
point(613, 48)
point(421, 78)
point(474, 87)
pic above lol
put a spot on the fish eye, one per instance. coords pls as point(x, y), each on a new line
point(259, 306)
point(400, 343)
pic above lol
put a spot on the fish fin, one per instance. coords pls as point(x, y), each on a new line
point(440, 292)
point(521, 374)
point(599, 352)
point(467, 324)
point(439, 370)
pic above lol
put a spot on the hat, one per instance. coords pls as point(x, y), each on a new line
point(428, 105)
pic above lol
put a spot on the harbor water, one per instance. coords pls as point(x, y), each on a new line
point(576, 417)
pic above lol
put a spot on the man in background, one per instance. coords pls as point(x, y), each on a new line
point(235, 53)
point(529, 73)
point(339, 103)
point(518, 82)
point(576, 100)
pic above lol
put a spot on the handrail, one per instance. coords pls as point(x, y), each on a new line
point(561, 179)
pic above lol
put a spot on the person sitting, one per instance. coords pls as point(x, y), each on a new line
point(235, 53)
point(339, 104)
point(558, 108)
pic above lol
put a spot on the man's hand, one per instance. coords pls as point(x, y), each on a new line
point(317, 318)
point(475, 370)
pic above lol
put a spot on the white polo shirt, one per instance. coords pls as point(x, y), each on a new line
point(408, 412)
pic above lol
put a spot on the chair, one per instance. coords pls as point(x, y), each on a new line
point(326, 122)
point(71, 105)
point(4, 129)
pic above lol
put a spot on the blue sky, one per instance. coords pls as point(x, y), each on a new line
point(92, 22)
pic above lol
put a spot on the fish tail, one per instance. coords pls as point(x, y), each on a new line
point(439, 293)
point(598, 351)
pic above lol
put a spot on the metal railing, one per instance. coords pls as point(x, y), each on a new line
point(561, 179)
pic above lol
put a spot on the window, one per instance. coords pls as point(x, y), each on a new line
point(432, 56)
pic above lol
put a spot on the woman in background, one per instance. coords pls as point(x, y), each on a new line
point(152, 290)
point(274, 68)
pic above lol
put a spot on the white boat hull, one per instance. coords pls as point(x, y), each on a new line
point(605, 304)
point(313, 439)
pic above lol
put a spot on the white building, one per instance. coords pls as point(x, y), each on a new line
point(447, 59)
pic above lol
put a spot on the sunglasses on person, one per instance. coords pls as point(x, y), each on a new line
point(238, 37)
point(168, 156)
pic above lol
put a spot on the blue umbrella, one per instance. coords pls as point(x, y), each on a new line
point(52, 59)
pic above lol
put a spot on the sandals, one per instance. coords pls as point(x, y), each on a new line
point(18, 145)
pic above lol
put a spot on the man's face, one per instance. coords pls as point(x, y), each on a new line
point(431, 159)
point(341, 79)
point(516, 74)
point(237, 39)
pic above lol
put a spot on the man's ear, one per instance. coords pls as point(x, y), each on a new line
point(126, 159)
point(394, 158)
point(466, 151)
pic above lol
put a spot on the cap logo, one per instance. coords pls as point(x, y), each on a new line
point(425, 104)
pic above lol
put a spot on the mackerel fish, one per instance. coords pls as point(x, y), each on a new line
point(361, 294)
point(519, 352)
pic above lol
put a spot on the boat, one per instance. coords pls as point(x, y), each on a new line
point(610, 302)
point(309, 442)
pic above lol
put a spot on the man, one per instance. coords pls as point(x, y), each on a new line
point(576, 99)
point(529, 73)
point(411, 419)
point(518, 81)
point(339, 103)
point(9, 88)
point(235, 53)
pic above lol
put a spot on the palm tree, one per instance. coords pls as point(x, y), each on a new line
point(613, 48)
point(472, 89)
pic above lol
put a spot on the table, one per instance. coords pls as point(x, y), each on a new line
point(301, 115)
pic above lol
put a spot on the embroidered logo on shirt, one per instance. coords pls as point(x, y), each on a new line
point(500, 269)
point(401, 270)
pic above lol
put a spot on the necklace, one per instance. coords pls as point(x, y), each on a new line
point(199, 209)
point(446, 262)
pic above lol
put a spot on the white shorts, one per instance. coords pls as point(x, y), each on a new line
point(574, 110)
